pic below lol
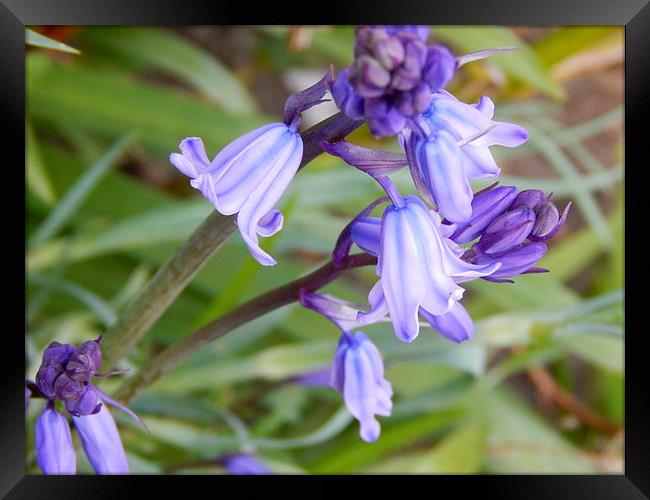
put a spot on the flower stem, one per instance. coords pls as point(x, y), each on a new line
point(248, 311)
point(172, 278)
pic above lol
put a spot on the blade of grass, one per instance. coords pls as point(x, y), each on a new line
point(103, 310)
point(38, 180)
point(178, 57)
point(37, 40)
point(73, 198)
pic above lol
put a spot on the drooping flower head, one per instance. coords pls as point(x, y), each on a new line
point(53, 442)
point(249, 176)
point(393, 76)
point(358, 374)
point(417, 269)
point(357, 370)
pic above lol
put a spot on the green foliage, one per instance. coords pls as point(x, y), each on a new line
point(100, 222)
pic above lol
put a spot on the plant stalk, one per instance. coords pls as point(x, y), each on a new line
point(248, 311)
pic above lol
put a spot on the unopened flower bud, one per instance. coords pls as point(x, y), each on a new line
point(506, 231)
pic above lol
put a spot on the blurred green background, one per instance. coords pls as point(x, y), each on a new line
point(539, 389)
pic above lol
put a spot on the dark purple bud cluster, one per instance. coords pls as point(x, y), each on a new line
point(66, 372)
point(393, 76)
point(511, 229)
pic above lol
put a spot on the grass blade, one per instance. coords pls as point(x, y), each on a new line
point(79, 191)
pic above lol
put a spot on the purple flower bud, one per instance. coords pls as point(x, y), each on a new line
point(547, 219)
point(369, 78)
point(358, 374)
point(548, 224)
point(506, 231)
point(54, 450)
point(346, 99)
point(244, 464)
point(67, 389)
point(101, 442)
point(383, 117)
point(54, 359)
point(420, 31)
point(456, 324)
point(531, 198)
point(486, 206)
point(516, 261)
point(85, 361)
point(59, 352)
point(389, 52)
point(394, 74)
point(47, 374)
point(87, 403)
point(439, 67)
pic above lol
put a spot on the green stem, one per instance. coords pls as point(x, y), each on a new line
point(172, 278)
point(248, 311)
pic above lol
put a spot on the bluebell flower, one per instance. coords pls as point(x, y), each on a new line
point(54, 450)
point(101, 442)
point(249, 176)
point(357, 370)
point(393, 76)
point(464, 122)
point(449, 147)
point(417, 269)
point(358, 374)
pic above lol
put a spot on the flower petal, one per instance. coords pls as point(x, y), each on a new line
point(101, 442)
point(266, 194)
point(456, 324)
point(54, 450)
point(401, 274)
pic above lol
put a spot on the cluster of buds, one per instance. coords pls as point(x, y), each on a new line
point(66, 372)
point(511, 229)
point(393, 76)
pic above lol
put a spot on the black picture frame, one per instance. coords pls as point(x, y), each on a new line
point(633, 14)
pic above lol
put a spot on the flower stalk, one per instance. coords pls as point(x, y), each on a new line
point(240, 315)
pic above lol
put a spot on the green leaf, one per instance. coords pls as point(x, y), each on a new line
point(523, 65)
point(38, 180)
point(520, 442)
point(356, 454)
point(37, 40)
point(82, 188)
point(111, 104)
point(162, 49)
point(566, 41)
